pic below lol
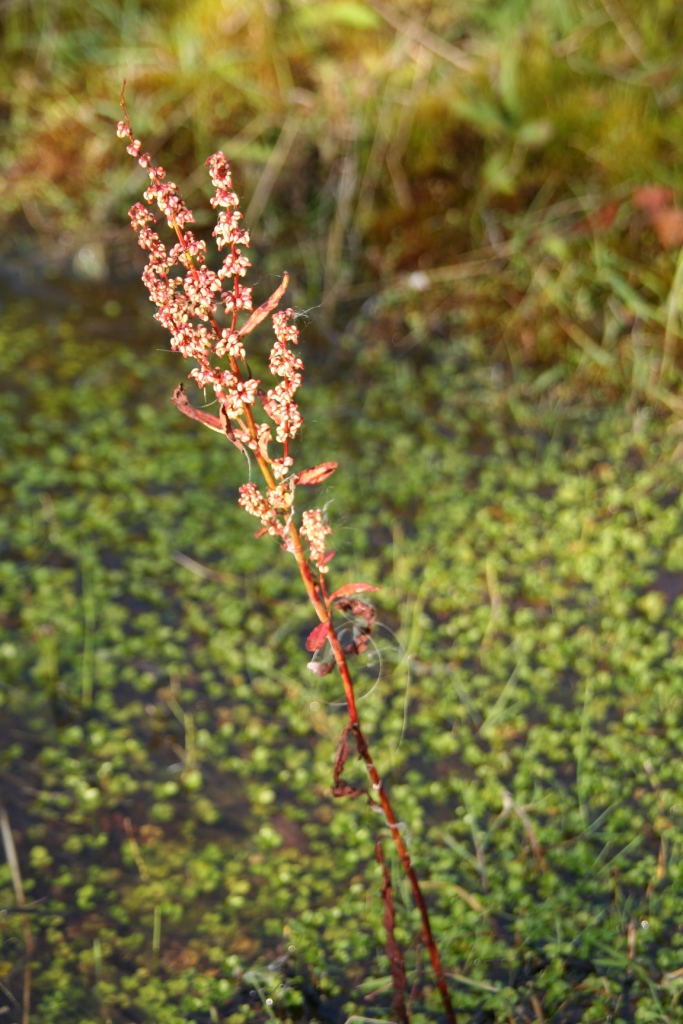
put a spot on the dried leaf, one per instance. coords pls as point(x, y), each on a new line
point(227, 429)
point(181, 402)
point(317, 637)
point(341, 755)
point(344, 789)
point(358, 644)
point(359, 609)
point(264, 310)
point(351, 588)
point(317, 474)
point(320, 668)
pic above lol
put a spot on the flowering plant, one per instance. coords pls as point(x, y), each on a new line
point(189, 297)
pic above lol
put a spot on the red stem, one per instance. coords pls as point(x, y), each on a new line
point(377, 784)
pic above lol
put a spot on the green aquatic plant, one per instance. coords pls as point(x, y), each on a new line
point(202, 308)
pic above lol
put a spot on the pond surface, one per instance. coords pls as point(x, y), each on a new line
point(166, 759)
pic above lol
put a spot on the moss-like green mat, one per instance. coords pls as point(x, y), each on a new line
point(166, 757)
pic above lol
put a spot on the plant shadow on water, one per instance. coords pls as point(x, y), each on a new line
point(166, 764)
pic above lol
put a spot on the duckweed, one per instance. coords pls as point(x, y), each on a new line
point(166, 761)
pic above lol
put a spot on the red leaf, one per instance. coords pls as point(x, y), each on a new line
point(317, 637)
point(220, 424)
point(320, 668)
point(268, 306)
point(317, 474)
point(352, 588)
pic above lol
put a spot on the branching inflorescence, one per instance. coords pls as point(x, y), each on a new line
point(201, 308)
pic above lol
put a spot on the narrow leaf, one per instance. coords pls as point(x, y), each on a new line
point(352, 588)
point(317, 637)
point(227, 428)
point(317, 474)
point(220, 425)
point(181, 402)
point(263, 311)
point(341, 755)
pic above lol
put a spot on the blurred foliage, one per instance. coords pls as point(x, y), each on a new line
point(370, 136)
point(166, 760)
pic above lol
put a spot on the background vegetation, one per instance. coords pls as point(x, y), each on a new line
point(480, 201)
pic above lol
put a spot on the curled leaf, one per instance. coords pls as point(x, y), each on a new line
point(181, 402)
point(317, 637)
point(264, 310)
point(220, 424)
point(227, 428)
point(341, 755)
point(359, 643)
point(344, 789)
point(359, 609)
point(317, 474)
point(320, 668)
point(352, 588)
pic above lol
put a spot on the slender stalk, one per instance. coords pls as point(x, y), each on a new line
point(315, 596)
point(380, 789)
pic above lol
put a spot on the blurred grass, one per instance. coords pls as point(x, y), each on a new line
point(372, 138)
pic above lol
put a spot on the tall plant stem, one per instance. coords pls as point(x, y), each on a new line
point(181, 302)
point(401, 849)
point(377, 783)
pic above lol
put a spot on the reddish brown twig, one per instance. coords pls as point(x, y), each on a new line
point(396, 962)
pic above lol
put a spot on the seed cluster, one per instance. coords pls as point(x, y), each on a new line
point(201, 309)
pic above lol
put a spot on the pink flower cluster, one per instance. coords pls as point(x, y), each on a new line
point(200, 308)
